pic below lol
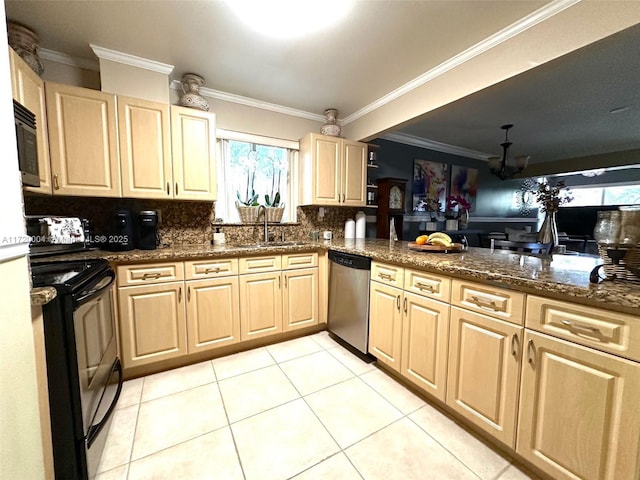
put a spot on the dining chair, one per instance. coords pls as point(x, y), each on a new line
point(524, 247)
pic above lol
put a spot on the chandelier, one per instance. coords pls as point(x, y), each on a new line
point(500, 167)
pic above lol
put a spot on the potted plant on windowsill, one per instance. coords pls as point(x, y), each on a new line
point(274, 209)
point(248, 207)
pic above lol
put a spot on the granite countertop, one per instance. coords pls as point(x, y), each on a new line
point(42, 295)
point(560, 276)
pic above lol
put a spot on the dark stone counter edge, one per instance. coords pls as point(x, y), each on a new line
point(42, 295)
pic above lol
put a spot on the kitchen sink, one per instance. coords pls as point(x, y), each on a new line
point(274, 244)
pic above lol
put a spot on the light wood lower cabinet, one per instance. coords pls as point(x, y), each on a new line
point(578, 411)
point(260, 304)
point(300, 298)
point(385, 324)
point(152, 323)
point(213, 313)
point(425, 333)
point(484, 372)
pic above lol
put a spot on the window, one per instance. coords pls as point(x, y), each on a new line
point(604, 195)
point(254, 173)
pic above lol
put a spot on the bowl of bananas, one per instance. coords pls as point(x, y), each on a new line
point(436, 242)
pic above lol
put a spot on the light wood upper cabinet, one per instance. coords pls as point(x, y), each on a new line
point(300, 298)
point(28, 90)
point(152, 323)
point(82, 140)
point(145, 148)
point(578, 414)
point(193, 142)
point(483, 372)
point(333, 171)
point(354, 173)
point(425, 333)
point(260, 305)
point(385, 324)
point(213, 313)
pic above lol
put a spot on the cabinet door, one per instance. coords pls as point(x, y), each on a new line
point(483, 373)
point(385, 324)
point(578, 411)
point(213, 313)
point(425, 337)
point(354, 173)
point(260, 305)
point(300, 298)
point(28, 89)
point(82, 141)
point(193, 142)
point(152, 323)
point(326, 170)
point(145, 148)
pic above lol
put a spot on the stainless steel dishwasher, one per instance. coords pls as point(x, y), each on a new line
point(348, 317)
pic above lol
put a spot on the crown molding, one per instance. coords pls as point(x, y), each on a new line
point(65, 59)
point(488, 43)
point(128, 59)
point(252, 102)
point(437, 146)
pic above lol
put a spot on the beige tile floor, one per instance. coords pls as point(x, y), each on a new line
point(305, 409)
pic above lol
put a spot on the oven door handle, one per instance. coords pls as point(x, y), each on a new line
point(95, 288)
point(95, 429)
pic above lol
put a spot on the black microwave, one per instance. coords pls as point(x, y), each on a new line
point(27, 145)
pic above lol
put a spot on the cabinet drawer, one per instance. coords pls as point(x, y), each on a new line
point(427, 284)
point(602, 329)
point(387, 274)
point(148, 273)
point(497, 302)
point(195, 269)
point(267, 263)
point(299, 260)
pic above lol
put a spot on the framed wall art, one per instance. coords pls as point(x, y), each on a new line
point(429, 186)
point(464, 183)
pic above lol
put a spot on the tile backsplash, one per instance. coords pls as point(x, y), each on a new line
point(188, 222)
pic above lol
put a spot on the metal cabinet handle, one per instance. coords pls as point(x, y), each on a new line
point(531, 351)
point(56, 184)
point(179, 294)
point(279, 278)
point(424, 286)
point(176, 188)
point(168, 189)
point(405, 305)
point(286, 281)
point(212, 270)
point(398, 302)
point(479, 302)
point(514, 345)
point(188, 294)
point(385, 276)
point(148, 276)
point(578, 326)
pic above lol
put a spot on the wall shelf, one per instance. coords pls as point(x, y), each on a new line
point(372, 165)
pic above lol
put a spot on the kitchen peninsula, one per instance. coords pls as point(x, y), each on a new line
point(560, 276)
point(500, 340)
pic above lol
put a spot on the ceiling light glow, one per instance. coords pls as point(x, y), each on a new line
point(290, 18)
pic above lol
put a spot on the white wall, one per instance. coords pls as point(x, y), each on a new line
point(20, 437)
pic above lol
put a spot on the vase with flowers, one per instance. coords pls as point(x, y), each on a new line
point(550, 197)
point(457, 210)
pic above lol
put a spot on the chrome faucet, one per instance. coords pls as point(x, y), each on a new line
point(266, 228)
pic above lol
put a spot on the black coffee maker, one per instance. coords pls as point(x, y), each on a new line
point(147, 230)
point(121, 237)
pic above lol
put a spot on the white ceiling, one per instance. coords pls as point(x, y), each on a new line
point(559, 109)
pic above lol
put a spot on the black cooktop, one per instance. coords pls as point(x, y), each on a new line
point(66, 275)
